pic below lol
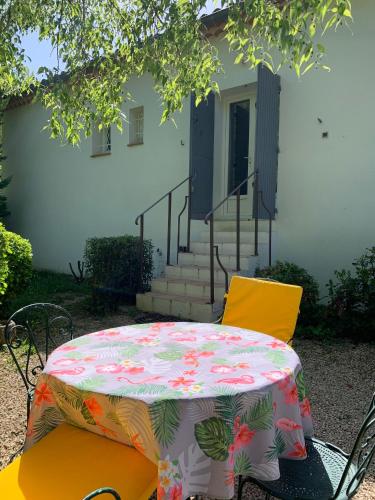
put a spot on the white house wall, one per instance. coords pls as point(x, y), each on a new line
point(60, 196)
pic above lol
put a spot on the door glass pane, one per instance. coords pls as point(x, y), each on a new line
point(239, 121)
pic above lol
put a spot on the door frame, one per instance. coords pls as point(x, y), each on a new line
point(227, 101)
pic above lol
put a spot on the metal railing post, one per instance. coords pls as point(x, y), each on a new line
point(169, 229)
point(189, 215)
point(141, 235)
point(256, 209)
point(238, 209)
point(212, 273)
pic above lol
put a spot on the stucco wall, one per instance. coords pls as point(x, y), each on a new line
point(60, 196)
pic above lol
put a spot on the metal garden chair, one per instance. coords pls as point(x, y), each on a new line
point(101, 491)
point(263, 305)
point(328, 473)
point(31, 334)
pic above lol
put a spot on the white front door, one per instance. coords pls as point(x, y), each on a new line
point(238, 152)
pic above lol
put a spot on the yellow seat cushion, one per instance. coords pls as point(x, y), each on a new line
point(69, 463)
point(264, 306)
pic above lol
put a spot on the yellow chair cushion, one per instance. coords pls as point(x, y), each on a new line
point(69, 463)
point(264, 306)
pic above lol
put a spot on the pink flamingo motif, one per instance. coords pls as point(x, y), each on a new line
point(144, 381)
point(244, 379)
point(71, 371)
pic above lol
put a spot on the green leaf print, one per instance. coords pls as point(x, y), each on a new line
point(87, 415)
point(49, 419)
point(68, 395)
point(129, 350)
point(214, 437)
point(165, 418)
point(277, 448)
point(92, 383)
point(73, 355)
point(242, 465)
point(169, 355)
point(112, 416)
point(228, 407)
point(300, 386)
point(210, 346)
point(249, 349)
point(259, 417)
point(278, 358)
point(220, 361)
point(149, 389)
point(113, 399)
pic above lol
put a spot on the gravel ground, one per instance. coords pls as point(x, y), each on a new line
point(340, 378)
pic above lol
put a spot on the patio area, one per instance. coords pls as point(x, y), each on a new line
point(339, 378)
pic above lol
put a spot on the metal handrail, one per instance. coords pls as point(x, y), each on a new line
point(210, 217)
point(141, 216)
point(228, 196)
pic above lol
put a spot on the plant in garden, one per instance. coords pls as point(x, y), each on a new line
point(15, 265)
point(113, 265)
point(351, 306)
point(4, 182)
point(102, 43)
point(286, 272)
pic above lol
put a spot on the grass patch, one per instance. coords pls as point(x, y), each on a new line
point(47, 286)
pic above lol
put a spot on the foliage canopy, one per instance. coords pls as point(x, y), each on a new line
point(102, 43)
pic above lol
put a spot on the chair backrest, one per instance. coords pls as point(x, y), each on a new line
point(31, 333)
point(102, 491)
point(361, 456)
point(263, 305)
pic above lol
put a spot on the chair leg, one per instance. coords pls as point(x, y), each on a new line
point(268, 496)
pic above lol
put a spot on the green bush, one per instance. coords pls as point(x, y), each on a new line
point(15, 265)
point(113, 265)
point(286, 272)
point(351, 306)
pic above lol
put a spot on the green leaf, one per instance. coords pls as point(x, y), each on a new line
point(214, 437)
point(49, 419)
point(210, 346)
point(229, 407)
point(165, 418)
point(169, 355)
point(278, 358)
point(260, 416)
point(277, 448)
point(301, 388)
point(242, 465)
point(92, 383)
point(249, 349)
point(87, 415)
point(139, 389)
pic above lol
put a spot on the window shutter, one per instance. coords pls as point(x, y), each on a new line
point(202, 120)
point(267, 138)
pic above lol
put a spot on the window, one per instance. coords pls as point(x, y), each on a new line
point(136, 126)
point(101, 141)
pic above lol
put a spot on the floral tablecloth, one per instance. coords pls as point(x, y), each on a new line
point(205, 402)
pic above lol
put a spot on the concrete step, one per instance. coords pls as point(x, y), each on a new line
point(196, 273)
point(228, 261)
point(231, 237)
point(225, 248)
point(185, 287)
point(245, 225)
point(192, 308)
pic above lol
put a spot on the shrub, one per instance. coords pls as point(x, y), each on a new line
point(351, 306)
point(286, 272)
point(114, 265)
point(15, 265)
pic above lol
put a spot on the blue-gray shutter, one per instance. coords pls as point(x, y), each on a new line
point(202, 121)
point(267, 138)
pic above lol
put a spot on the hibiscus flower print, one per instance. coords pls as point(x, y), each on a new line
point(65, 362)
point(94, 407)
point(110, 368)
point(243, 436)
point(190, 372)
point(291, 395)
point(299, 451)
point(177, 382)
point(305, 408)
point(68, 371)
point(147, 341)
point(42, 393)
point(66, 348)
point(222, 369)
point(277, 345)
point(176, 492)
point(214, 336)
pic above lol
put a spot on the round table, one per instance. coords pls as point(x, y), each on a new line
point(206, 402)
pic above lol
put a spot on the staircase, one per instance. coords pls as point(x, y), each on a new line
point(184, 289)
